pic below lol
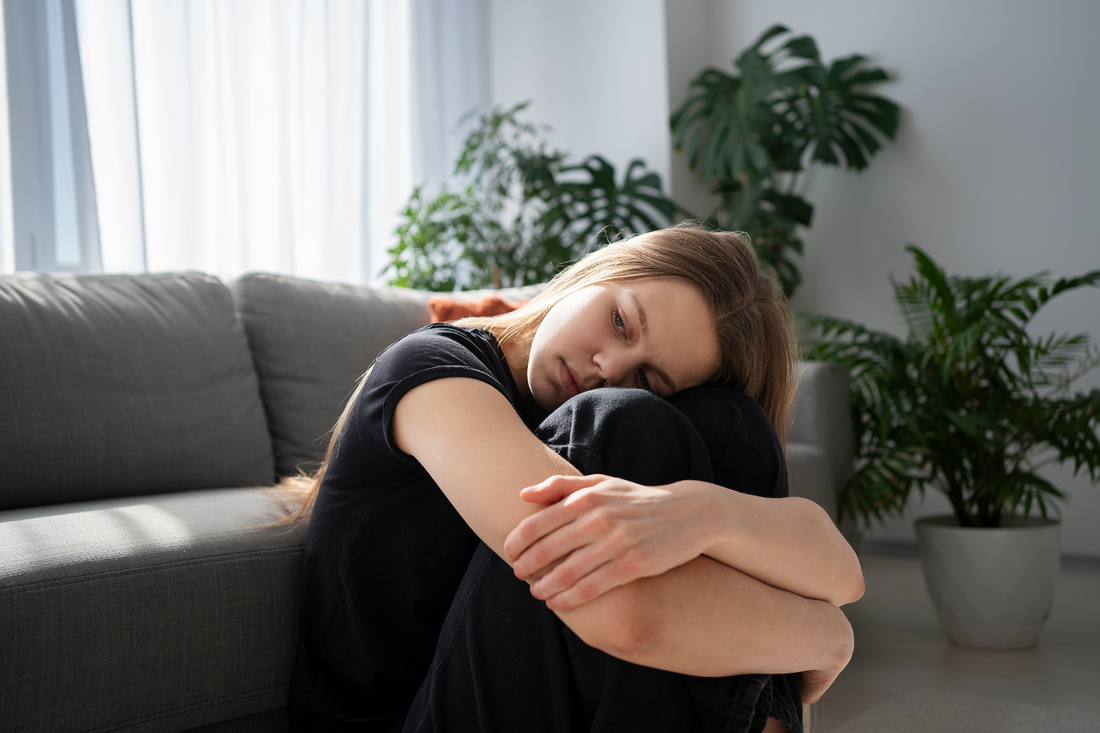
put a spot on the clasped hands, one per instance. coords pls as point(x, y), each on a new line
point(597, 533)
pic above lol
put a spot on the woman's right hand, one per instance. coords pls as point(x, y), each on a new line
point(605, 532)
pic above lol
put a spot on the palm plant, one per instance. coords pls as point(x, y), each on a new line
point(970, 403)
point(524, 213)
point(751, 133)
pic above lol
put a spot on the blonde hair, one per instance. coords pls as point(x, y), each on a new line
point(748, 309)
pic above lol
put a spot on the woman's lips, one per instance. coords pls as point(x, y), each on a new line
point(568, 383)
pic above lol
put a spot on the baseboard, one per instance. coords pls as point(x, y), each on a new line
point(901, 548)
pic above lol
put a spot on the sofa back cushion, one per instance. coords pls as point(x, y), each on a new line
point(312, 341)
point(120, 385)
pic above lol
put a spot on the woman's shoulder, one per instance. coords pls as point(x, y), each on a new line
point(438, 342)
point(453, 332)
point(439, 350)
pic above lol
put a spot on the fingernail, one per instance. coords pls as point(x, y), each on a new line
point(552, 604)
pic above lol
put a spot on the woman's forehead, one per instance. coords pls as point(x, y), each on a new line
point(678, 328)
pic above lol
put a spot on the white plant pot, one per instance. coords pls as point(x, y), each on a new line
point(992, 588)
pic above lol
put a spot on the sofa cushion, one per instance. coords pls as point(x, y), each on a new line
point(311, 342)
point(116, 385)
point(163, 612)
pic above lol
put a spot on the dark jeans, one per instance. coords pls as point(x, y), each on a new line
point(506, 663)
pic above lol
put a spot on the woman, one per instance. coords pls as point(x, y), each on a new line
point(651, 593)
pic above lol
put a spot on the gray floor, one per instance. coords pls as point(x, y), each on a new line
point(901, 646)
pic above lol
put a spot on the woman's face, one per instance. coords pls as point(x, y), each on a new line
point(654, 334)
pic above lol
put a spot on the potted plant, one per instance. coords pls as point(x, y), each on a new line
point(525, 211)
point(972, 404)
point(751, 132)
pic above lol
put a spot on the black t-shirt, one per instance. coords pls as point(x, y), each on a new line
point(386, 549)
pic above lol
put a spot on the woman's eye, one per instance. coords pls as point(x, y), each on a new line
point(620, 324)
point(643, 380)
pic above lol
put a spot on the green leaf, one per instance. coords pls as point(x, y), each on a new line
point(962, 395)
point(523, 214)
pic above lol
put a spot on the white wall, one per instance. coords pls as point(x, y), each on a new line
point(993, 168)
point(687, 24)
point(595, 69)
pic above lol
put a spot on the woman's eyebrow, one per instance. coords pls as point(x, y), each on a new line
point(637, 303)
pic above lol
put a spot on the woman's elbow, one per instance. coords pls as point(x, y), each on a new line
point(848, 584)
point(856, 588)
point(620, 623)
point(852, 585)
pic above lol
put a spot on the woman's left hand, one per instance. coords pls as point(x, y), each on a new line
point(605, 532)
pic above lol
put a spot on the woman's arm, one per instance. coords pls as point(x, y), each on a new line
point(701, 618)
point(614, 531)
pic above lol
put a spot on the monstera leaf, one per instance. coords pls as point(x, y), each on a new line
point(784, 103)
point(591, 205)
point(732, 124)
point(752, 132)
point(830, 113)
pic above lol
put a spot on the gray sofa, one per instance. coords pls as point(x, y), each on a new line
point(142, 587)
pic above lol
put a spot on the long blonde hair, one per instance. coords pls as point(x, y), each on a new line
point(749, 311)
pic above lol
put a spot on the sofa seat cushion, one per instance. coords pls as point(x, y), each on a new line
point(119, 385)
point(164, 612)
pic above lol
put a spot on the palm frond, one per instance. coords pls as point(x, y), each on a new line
point(960, 396)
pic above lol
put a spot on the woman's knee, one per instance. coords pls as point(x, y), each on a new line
point(629, 433)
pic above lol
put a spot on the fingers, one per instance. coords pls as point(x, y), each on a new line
point(588, 574)
point(587, 550)
point(530, 531)
point(605, 578)
point(556, 488)
point(546, 521)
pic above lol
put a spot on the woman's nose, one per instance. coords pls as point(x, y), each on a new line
point(613, 368)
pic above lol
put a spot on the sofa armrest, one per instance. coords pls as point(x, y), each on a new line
point(821, 441)
point(822, 415)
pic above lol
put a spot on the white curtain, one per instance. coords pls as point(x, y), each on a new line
point(285, 136)
point(48, 215)
point(7, 233)
point(249, 146)
point(451, 71)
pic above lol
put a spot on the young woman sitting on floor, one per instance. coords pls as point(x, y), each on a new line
point(476, 456)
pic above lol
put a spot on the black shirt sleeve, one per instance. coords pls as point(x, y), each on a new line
point(436, 352)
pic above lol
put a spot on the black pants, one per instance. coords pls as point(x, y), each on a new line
point(505, 663)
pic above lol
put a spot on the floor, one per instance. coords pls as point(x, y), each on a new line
point(900, 645)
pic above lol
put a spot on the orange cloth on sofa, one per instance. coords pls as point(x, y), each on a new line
point(448, 309)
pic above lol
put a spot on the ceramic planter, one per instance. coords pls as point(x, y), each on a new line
point(992, 588)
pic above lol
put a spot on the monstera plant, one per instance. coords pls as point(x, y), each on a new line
point(524, 212)
point(752, 133)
